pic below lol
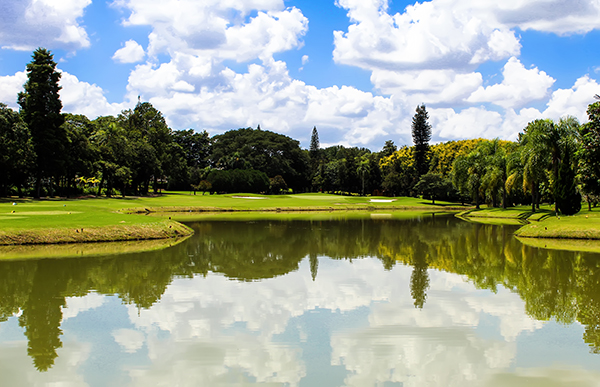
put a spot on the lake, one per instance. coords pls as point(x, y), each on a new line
point(369, 300)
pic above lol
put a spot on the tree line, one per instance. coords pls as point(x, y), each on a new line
point(44, 152)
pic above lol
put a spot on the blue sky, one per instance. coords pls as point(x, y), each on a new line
point(355, 69)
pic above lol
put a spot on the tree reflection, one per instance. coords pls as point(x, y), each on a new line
point(564, 286)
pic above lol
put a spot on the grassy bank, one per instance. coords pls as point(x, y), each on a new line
point(541, 224)
point(583, 225)
point(46, 221)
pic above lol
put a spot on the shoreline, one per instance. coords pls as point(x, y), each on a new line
point(542, 224)
point(93, 220)
point(162, 230)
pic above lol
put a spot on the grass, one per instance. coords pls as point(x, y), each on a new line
point(28, 221)
point(583, 225)
point(543, 223)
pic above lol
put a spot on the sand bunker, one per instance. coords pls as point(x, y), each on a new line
point(382, 200)
point(247, 197)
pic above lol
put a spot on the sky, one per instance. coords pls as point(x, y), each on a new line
point(355, 69)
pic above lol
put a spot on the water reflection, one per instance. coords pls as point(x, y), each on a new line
point(564, 286)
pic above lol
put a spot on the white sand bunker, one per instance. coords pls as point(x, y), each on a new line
point(247, 197)
point(382, 200)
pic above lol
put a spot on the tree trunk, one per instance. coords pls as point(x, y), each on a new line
point(100, 185)
point(504, 198)
point(38, 186)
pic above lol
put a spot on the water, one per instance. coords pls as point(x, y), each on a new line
point(427, 301)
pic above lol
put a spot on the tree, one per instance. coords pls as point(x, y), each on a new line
point(467, 173)
point(314, 144)
point(568, 200)
point(388, 149)
point(40, 108)
point(17, 156)
point(266, 151)
point(421, 133)
point(432, 186)
point(535, 157)
point(589, 154)
point(277, 184)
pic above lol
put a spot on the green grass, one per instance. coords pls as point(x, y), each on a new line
point(541, 224)
point(583, 225)
point(102, 219)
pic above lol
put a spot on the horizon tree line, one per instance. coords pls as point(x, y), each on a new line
point(44, 152)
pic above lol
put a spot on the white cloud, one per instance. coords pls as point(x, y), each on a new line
point(451, 34)
point(434, 86)
point(519, 87)
point(10, 87)
point(83, 98)
point(429, 35)
point(132, 52)
point(208, 28)
point(304, 59)
point(192, 92)
point(573, 101)
point(77, 97)
point(25, 25)
point(469, 123)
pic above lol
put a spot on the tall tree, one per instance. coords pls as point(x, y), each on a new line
point(568, 200)
point(388, 149)
point(421, 133)
point(589, 154)
point(314, 152)
point(16, 151)
point(314, 143)
point(40, 107)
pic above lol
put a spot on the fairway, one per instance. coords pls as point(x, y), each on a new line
point(28, 221)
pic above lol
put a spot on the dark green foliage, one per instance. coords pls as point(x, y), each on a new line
point(314, 144)
point(589, 155)
point(238, 180)
point(17, 156)
point(196, 147)
point(262, 150)
point(421, 133)
point(40, 108)
point(568, 200)
point(388, 149)
point(434, 186)
point(80, 154)
point(277, 184)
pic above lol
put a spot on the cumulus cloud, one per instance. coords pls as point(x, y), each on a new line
point(25, 25)
point(132, 52)
point(429, 35)
point(451, 34)
point(520, 86)
point(573, 101)
point(193, 92)
point(208, 27)
point(80, 97)
point(10, 87)
point(77, 96)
